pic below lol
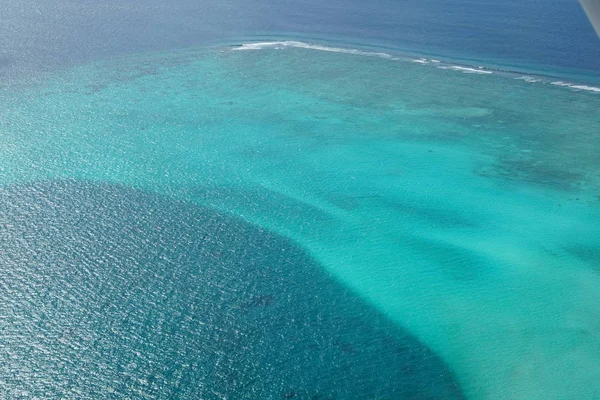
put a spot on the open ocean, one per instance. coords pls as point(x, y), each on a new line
point(285, 200)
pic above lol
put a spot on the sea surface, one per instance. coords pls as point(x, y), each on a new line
point(283, 200)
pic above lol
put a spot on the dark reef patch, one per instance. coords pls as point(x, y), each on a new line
point(260, 301)
point(547, 173)
point(587, 254)
point(114, 293)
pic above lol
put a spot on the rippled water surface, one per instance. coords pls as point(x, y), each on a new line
point(117, 293)
point(288, 222)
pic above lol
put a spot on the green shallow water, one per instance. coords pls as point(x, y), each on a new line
point(463, 208)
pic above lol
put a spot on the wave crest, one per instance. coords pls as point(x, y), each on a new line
point(303, 45)
point(469, 69)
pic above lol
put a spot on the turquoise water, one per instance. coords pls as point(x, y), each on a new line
point(455, 212)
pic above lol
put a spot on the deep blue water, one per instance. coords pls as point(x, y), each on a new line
point(546, 35)
point(137, 295)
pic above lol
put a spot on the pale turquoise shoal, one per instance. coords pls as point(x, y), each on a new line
point(466, 207)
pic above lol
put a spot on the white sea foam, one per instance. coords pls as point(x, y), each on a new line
point(470, 70)
point(585, 87)
point(467, 70)
point(577, 87)
point(282, 44)
point(529, 79)
point(304, 45)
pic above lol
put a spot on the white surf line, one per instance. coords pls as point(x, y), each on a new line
point(468, 70)
point(577, 87)
point(293, 43)
point(281, 44)
point(584, 87)
point(529, 79)
point(304, 45)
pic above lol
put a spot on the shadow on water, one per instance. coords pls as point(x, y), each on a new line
point(116, 293)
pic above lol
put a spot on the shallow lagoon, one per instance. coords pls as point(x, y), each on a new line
point(459, 210)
